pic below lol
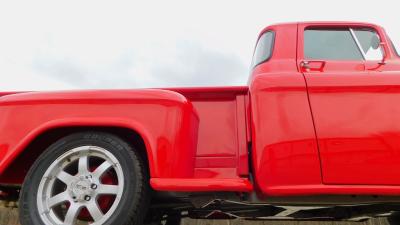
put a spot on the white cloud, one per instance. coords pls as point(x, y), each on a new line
point(123, 44)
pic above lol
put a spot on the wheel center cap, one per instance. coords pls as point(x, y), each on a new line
point(80, 188)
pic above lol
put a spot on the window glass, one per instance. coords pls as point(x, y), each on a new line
point(263, 49)
point(395, 41)
point(369, 43)
point(334, 44)
point(396, 49)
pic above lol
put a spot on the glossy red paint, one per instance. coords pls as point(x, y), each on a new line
point(331, 129)
point(179, 144)
point(283, 136)
point(7, 93)
point(200, 185)
point(173, 128)
point(222, 140)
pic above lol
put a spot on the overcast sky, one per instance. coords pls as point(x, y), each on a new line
point(129, 44)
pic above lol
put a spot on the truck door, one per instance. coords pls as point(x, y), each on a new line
point(355, 104)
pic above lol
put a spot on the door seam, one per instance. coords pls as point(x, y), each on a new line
point(315, 129)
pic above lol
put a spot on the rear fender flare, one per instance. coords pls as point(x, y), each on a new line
point(92, 122)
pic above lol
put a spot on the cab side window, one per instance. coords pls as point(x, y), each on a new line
point(264, 48)
point(330, 44)
point(342, 44)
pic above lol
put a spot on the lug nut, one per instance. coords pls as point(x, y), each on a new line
point(93, 186)
point(87, 198)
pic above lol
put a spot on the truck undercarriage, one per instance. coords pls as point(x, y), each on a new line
point(307, 208)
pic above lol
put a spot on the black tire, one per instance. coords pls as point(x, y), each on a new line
point(135, 196)
point(173, 221)
point(394, 219)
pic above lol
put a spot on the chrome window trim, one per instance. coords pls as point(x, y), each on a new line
point(358, 43)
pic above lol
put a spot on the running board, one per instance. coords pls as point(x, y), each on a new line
point(201, 185)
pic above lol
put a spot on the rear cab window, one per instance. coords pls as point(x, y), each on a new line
point(264, 48)
point(351, 44)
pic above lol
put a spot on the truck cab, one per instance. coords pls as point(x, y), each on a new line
point(326, 94)
point(314, 135)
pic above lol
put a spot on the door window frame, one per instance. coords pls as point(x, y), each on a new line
point(303, 27)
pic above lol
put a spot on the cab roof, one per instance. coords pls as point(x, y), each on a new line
point(321, 23)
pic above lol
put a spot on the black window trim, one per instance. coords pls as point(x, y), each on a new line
point(272, 47)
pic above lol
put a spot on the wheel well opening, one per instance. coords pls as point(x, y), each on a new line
point(14, 175)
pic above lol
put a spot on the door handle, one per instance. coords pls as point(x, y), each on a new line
point(312, 66)
point(305, 65)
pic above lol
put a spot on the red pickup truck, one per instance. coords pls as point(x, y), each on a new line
point(314, 135)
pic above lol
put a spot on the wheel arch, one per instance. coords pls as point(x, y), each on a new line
point(38, 140)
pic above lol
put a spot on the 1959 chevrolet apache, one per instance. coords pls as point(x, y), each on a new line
point(314, 135)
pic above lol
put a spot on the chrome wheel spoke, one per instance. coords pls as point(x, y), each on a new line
point(102, 169)
point(108, 189)
point(94, 211)
point(83, 167)
point(65, 177)
point(72, 213)
point(58, 199)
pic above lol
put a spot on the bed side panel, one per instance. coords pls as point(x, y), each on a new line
point(222, 135)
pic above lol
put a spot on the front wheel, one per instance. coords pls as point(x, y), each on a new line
point(88, 177)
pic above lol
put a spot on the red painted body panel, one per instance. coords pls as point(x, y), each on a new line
point(200, 185)
point(351, 104)
point(222, 140)
point(170, 137)
point(179, 144)
point(284, 142)
point(330, 130)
